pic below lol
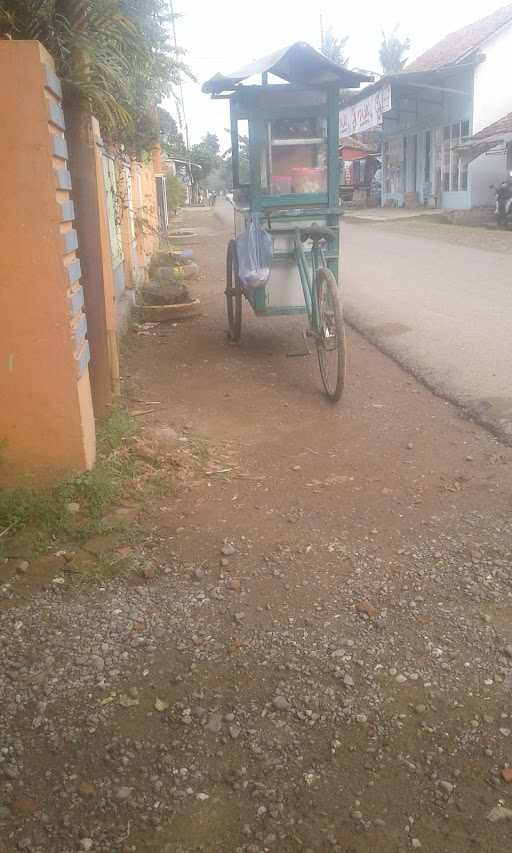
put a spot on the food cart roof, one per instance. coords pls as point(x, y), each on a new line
point(297, 63)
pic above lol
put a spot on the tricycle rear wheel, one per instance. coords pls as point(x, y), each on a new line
point(330, 341)
point(233, 294)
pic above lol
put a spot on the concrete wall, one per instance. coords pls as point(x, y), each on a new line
point(430, 110)
point(492, 100)
point(46, 415)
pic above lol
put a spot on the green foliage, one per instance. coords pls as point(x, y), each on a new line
point(333, 48)
point(392, 49)
point(114, 54)
point(206, 155)
point(171, 139)
point(46, 508)
point(176, 193)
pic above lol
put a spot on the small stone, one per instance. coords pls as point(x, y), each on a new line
point(506, 774)
point(508, 651)
point(409, 445)
point(361, 718)
point(86, 789)
point(86, 843)
point(160, 705)
point(224, 562)
point(348, 681)
point(22, 567)
point(447, 787)
point(73, 507)
point(239, 617)
point(505, 731)
point(148, 573)
point(400, 679)
point(234, 731)
point(202, 797)
point(98, 662)
point(366, 609)
point(296, 467)
point(126, 702)
point(415, 843)
point(228, 550)
point(234, 584)
point(280, 703)
point(24, 806)
point(214, 724)
point(420, 709)
point(357, 815)
point(123, 792)
point(499, 813)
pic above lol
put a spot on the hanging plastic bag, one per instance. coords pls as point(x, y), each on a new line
point(254, 250)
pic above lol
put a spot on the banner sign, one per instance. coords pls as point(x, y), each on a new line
point(366, 114)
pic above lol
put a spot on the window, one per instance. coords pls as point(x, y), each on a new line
point(295, 157)
point(454, 169)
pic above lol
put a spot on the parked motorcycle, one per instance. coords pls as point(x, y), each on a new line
point(504, 203)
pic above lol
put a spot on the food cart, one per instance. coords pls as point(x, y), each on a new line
point(284, 258)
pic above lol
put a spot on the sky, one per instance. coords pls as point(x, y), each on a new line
point(222, 35)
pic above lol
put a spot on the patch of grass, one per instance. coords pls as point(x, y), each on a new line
point(46, 509)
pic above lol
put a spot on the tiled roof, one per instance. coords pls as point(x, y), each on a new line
point(455, 46)
point(502, 125)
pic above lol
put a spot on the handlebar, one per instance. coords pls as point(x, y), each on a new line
point(316, 233)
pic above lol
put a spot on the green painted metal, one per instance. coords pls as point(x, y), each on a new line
point(285, 311)
point(333, 163)
point(265, 201)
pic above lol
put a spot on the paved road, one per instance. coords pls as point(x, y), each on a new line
point(443, 311)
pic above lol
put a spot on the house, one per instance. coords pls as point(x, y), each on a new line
point(431, 112)
point(359, 161)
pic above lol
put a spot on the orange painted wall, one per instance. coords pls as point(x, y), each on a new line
point(46, 417)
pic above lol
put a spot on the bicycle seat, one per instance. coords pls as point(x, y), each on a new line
point(316, 233)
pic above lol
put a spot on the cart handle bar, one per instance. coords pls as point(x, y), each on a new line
point(316, 233)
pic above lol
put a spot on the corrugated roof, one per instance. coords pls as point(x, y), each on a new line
point(297, 63)
point(502, 125)
point(459, 44)
point(352, 142)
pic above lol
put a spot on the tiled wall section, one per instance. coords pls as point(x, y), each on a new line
point(56, 127)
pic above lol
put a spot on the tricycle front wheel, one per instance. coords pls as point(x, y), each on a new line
point(330, 340)
point(233, 294)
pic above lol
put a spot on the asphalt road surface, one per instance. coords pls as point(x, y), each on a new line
point(443, 311)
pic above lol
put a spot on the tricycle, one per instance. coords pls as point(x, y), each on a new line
point(284, 258)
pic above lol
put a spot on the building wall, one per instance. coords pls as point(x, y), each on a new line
point(492, 100)
point(46, 416)
point(431, 110)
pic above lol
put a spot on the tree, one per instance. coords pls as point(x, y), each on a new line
point(206, 155)
point(114, 55)
point(171, 139)
point(175, 191)
point(333, 48)
point(392, 49)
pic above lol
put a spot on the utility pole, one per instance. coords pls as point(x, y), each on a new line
point(182, 116)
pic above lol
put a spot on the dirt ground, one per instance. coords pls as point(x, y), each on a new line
point(490, 239)
point(308, 646)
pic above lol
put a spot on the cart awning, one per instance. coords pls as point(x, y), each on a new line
point(298, 63)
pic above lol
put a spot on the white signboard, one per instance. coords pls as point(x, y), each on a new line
point(366, 113)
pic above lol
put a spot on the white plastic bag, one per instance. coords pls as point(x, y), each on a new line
point(254, 251)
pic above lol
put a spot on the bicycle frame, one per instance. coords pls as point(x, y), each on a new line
point(308, 277)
